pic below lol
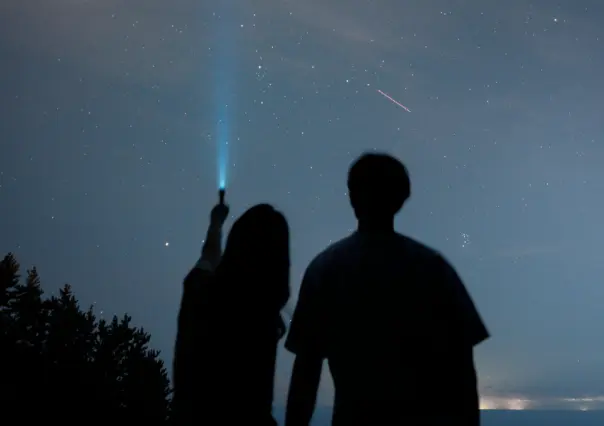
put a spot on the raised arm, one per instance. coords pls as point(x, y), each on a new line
point(190, 321)
point(211, 252)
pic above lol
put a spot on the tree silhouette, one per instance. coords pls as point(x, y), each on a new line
point(62, 364)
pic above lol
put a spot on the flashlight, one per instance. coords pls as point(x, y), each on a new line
point(221, 196)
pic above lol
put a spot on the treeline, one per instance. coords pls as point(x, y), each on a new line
point(62, 364)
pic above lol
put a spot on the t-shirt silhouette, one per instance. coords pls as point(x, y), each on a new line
point(388, 314)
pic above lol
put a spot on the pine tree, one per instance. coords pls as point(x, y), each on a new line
point(9, 279)
point(26, 309)
point(61, 362)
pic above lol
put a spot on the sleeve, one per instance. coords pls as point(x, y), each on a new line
point(186, 353)
point(459, 309)
point(306, 331)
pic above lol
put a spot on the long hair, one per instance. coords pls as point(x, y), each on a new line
point(253, 273)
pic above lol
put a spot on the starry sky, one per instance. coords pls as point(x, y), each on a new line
point(116, 115)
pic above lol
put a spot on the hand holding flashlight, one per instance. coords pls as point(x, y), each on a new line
point(220, 212)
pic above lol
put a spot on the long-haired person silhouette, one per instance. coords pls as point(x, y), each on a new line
point(230, 322)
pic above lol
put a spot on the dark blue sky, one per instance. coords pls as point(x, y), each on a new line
point(109, 133)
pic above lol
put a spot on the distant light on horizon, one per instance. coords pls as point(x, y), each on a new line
point(520, 403)
point(500, 403)
point(585, 399)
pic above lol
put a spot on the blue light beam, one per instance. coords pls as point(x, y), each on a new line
point(223, 92)
point(222, 149)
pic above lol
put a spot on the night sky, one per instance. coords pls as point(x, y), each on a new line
point(116, 113)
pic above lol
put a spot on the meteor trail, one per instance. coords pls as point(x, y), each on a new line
point(393, 100)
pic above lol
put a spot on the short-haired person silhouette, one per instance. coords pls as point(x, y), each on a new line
point(391, 317)
point(229, 322)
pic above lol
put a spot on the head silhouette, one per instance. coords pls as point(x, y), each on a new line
point(254, 268)
point(378, 186)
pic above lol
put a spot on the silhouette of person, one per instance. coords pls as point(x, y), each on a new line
point(391, 317)
point(229, 322)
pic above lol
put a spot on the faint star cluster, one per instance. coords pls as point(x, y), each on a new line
point(465, 240)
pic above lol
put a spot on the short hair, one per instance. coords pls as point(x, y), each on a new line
point(378, 185)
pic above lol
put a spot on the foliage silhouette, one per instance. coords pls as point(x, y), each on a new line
point(62, 364)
